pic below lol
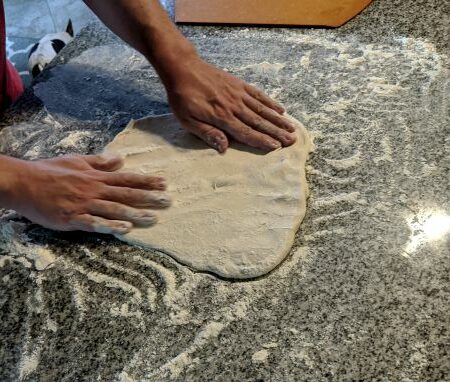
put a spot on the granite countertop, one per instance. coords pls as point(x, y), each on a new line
point(364, 294)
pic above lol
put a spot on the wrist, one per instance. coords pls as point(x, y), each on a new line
point(174, 58)
point(12, 174)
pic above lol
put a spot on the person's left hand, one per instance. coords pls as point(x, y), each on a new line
point(212, 104)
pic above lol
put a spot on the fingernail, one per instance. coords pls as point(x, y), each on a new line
point(161, 184)
point(274, 145)
point(290, 138)
point(119, 228)
point(165, 201)
point(147, 221)
point(146, 215)
point(220, 148)
point(217, 143)
point(161, 199)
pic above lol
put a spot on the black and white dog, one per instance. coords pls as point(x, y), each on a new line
point(44, 51)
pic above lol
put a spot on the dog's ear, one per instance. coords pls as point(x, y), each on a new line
point(69, 28)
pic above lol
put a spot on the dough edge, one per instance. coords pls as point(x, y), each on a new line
point(247, 272)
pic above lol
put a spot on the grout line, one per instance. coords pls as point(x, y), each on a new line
point(22, 37)
point(51, 16)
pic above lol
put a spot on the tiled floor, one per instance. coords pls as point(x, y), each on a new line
point(27, 21)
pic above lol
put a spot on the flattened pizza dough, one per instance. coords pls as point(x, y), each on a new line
point(235, 214)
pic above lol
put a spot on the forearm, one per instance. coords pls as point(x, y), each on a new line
point(145, 25)
point(11, 171)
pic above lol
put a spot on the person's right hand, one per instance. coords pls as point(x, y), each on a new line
point(86, 193)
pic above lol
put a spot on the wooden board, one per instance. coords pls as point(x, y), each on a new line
point(269, 12)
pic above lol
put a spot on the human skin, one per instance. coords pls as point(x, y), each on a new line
point(208, 101)
point(81, 193)
point(86, 192)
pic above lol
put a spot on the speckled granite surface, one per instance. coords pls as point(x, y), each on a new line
point(364, 294)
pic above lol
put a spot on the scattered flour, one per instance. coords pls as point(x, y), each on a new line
point(270, 345)
point(353, 197)
point(28, 364)
point(176, 365)
point(260, 356)
point(264, 68)
point(305, 61)
point(124, 377)
point(301, 254)
point(124, 311)
point(382, 87)
point(338, 106)
point(52, 325)
point(109, 281)
point(302, 356)
point(19, 247)
point(386, 151)
point(346, 163)
point(73, 139)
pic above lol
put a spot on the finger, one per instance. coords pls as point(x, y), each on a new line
point(117, 211)
point(212, 136)
point(128, 179)
point(245, 134)
point(136, 198)
point(255, 121)
point(90, 223)
point(270, 115)
point(264, 98)
point(104, 162)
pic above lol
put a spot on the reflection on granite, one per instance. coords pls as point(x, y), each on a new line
point(363, 295)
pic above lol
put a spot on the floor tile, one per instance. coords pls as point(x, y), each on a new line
point(29, 19)
point(76, 10)
point(17, 49)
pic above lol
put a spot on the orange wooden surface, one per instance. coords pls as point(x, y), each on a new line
point(273, 12)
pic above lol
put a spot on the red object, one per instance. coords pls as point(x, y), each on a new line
point(11, 86)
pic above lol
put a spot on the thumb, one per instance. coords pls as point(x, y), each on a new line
point(211, 135)
point(105, 162)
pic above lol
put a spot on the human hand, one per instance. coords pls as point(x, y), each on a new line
point(212, 104)
point(86, 193)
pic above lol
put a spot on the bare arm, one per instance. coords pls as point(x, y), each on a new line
point(209, 102)
point(8, 183)
point(80, 193)
point(145, 25)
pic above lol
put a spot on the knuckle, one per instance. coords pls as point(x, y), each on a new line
point(245, 133)
point(99, 190)
point(258, 94)
point(259, 108)
point(154, 180)
point(241, 108)
point(95, 175)
point(85, 221)
point(128, 193)
point(259, 123)
point(120, 211)
point(160, 198)
point(127, 178)
point(146, 180)
point(192, 106)
point(66, 214)
point(222, 113)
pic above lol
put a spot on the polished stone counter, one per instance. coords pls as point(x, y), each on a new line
point(364, 294)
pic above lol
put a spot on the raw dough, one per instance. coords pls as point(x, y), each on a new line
point(235, 214)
